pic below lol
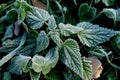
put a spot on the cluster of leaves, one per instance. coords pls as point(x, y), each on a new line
point(38, 44)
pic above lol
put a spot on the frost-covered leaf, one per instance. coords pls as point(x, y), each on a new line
point(92, 35)
point(28, 48)
point(86, 12)
point(42, 41)
point(108, 2)
point(45, 64)
point(38, 63)
point(18, 63)
point(68, 29)
point(8, 32)
point(71, 57)
point(55, 36)
point(87, 69)
point(52, 23)
point(37, 18)
point(51, 60)
point(112, 13)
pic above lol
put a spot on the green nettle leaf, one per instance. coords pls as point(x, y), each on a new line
point(51, 60)
point(108, 2)
point(34, 33)
point(23, 4)
point(34, 75)
point(92, 35)
point(37, 18)
point(6, 76)
point(86, 12)
point(68, 29)
point(52, 23)
point(18, 63)
point(42, 41)
point(55, 36)
point(8, 32)
point(112, 13)
point(37, 63)
point(53, 75)
point(87, 69)
point(11, 15)
point(71, 57)
point(21, 15)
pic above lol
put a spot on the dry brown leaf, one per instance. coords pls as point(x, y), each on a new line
point(97, 67)
point(39, 4)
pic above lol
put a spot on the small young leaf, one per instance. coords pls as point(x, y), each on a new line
point(37, 63)
point(37, 18)
point(18, 63)
point(92, 35)
point(68, 29)
point(108, 2)
point(86, 12)
point(87, 69)
point(51, 60)
point(42, 41)
point(71, 57)
point(55, 36)
point(52, 23)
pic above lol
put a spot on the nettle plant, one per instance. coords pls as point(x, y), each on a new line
point(32, 43)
